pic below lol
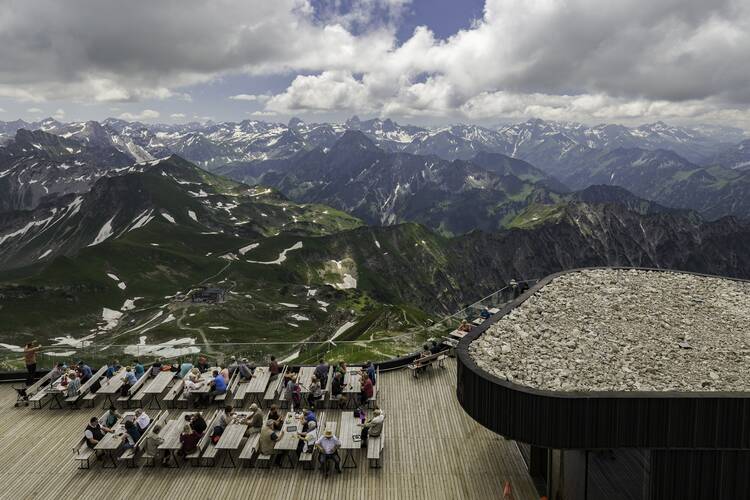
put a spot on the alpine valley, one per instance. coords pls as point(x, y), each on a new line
point(356, 232)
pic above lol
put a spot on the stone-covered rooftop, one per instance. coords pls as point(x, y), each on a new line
point(625, 330)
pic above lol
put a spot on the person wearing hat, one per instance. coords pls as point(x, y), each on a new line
point(307, 439)
point(373, 426)
point(328, 446)
point(254, 421)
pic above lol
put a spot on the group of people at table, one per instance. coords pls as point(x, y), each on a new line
point(270, 428)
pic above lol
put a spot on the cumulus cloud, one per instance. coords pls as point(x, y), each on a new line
point(35, 111)
point(573, 59)
point(262, 113)
point(177, 116)
point(59, 114)
point(146, 114)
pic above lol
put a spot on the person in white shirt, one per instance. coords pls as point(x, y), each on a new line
point(307, 439)
point(142, 420)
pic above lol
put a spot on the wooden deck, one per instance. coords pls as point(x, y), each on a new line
point(432, 450)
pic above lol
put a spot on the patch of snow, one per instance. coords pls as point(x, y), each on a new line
point(291, 357)
point(60, 354)
point(282, 256)
point(246, 249)
point(110, 317)
point(104, 233)
point(129, 304)
point(286, 304)
point(377, 243)
point(12, 348)
point(113, 276)
point(218, 328)
point(169, 349)
point(295, 325)
point(192, 215)
point(300, 317)
point(168, 217)
point(122, 286)
point(343, 328)
point(44, 254)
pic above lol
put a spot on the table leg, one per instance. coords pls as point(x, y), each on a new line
point(349, 457)
point(107, 401)
point(109, 454)
point(173, 454)
point(288, 456)
point(227, 454)
point(57, 401)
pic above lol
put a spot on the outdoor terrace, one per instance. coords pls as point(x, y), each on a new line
point(433, 450)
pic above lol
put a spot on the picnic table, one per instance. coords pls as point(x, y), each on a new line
point(57, 390)
point(289, 440)
point(458, 334)
point(494, 310)
point(112, 441)
point(157, 386)
point(256, 386)
point(112, 386)
point(352, 385)
point(349, 435)
point(171, 434)
point(231, 438)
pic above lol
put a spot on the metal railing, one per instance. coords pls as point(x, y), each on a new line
point(305, 352)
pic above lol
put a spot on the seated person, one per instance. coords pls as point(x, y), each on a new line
point(138, 369)
point(130, 380)
point(226, 416)
point(185, 368)
point(372, 426)
point(244, 368)
point(131, 435)
point(341, 367)
point(189, 439)
point(233, 365)
point(328, 446)
point(57, 371)
point(85, 371)
point(267, 441)
point(307, 438)
point(316, 392)
point(112, 369)
point(337, 388)
point(74, 385)
point(465, 326)
point(276, 417)
point(142, 420)
point(218, 386)
point(435, 347)
point(198, 423)
point(152, 443)
point(368, 390)
point(224, 374)
point(111, 418)
point(254, 420)
point(155, 369)
point(94, 432)
point(195, 374)
point(307, 417)
point(202, 364)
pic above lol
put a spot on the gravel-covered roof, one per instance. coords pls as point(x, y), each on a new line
point(625, 330)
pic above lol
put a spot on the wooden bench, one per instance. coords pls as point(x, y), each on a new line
point(84, 390)
point(82, 453)
point(375, 449)
point(422, 363)
point(273, 389)
point(139, 384)
point(131, 454)
point(173, 393)
point(227, 397)
point(250, 448)
point(37, 400)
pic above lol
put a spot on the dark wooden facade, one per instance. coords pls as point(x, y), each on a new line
point(706, 432)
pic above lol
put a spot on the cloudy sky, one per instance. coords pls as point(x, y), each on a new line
point(419, 61)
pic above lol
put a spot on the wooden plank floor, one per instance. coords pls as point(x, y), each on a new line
point(433, 450)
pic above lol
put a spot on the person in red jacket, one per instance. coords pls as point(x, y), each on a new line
point(367, 389)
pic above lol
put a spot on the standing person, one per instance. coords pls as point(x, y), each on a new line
point(29, 357)
point(372, 427)
point(371, 372)
point(274, 368)
point(321, 372)
point(328, 446)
